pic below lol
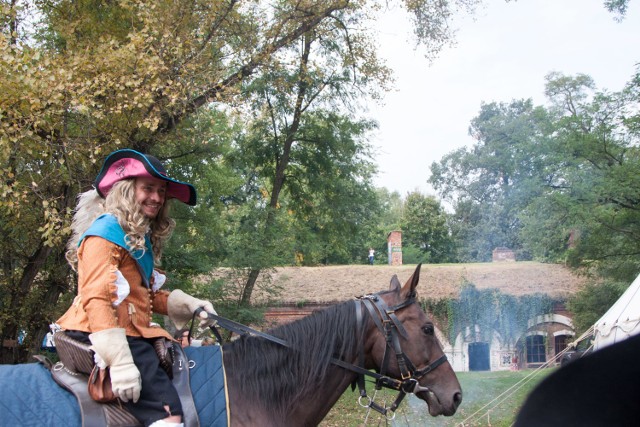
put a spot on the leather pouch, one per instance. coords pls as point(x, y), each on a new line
point(100, 388)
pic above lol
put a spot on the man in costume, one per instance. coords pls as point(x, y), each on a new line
point(119, 231)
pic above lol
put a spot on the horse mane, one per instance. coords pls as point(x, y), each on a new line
point(276, 375)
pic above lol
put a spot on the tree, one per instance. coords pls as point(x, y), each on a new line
point(81, 78)
point(476, 231)
point(497, 177)
point(617, 6)
point(559, 183)
point(315, 170)
point(592, 302)
point(392, 206)
point(330, 190)
point(199, 156)
point(425, 227)
point(595, 195)
point(387, 217)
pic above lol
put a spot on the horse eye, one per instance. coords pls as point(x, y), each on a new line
point(428, 329)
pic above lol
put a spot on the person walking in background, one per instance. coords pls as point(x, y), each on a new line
point(371, 254)
point(119, 231)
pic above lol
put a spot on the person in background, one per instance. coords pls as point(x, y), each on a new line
point(119, 232)
point(48, 342)
point(371, 254)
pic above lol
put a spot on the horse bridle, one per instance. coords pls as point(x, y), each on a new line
point(391, 328)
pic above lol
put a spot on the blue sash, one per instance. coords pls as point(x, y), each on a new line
point(107, 227)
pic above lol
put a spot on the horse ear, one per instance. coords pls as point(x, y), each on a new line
point(395, 284)
point(409, 288)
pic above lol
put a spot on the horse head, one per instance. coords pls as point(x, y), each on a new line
point(402, 342)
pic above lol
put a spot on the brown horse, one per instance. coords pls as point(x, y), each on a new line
point(385, 336)
point(273, 385)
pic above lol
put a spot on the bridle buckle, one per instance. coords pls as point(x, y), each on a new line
point(409, 385)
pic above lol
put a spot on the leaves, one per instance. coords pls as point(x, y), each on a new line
point(425, 226)
point(489, 311)
point(538, 175)
point(82, 78)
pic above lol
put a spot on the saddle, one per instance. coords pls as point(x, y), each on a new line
point(72, 373)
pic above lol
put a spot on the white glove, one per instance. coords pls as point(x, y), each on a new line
point(181, 307)
point(112, 347)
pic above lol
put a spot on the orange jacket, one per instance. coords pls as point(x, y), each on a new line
point(93, 308)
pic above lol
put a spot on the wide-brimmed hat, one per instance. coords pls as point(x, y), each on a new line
point(127, 163)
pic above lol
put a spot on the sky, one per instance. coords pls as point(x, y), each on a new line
point(502, 53)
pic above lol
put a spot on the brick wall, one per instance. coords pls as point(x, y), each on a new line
point(394, 247)
point(280, 315)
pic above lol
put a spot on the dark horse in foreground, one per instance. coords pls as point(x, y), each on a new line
point(271, 385)
point(601, 389)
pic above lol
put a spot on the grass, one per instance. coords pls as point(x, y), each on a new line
point(479, 391)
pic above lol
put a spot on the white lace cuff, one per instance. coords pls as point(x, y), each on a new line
point(158, 280)
point(123, 288)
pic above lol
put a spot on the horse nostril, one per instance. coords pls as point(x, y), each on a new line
point(457, 398)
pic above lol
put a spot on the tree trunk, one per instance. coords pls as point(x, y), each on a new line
point(283, 162)
point(10, 331)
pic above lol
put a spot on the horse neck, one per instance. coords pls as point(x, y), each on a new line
point(325, 395)
point(298, 383)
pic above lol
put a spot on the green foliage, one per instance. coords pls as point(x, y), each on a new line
point(490, 183)
point(591, 302)
point(425, 226)
point(251, 243)
point(391, 210)
point(558, 183)
point(489, 309)
point(413, 255)
point(326, 194)
point(617, 6)
point(197, 155)
point(594, 195)
point(547, 229)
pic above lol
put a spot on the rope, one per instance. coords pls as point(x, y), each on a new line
point(517, 386)
point(630, 324)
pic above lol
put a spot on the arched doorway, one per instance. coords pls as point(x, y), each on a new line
point(479, 356)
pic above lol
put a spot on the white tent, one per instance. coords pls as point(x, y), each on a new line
point(622, 320)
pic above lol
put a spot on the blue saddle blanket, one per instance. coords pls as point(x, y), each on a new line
point(208, 385)
point(30, 397)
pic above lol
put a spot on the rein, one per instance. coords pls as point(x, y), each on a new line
point(236, 327)
point(387, 323)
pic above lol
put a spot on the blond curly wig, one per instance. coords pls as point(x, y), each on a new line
point(121, 203)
